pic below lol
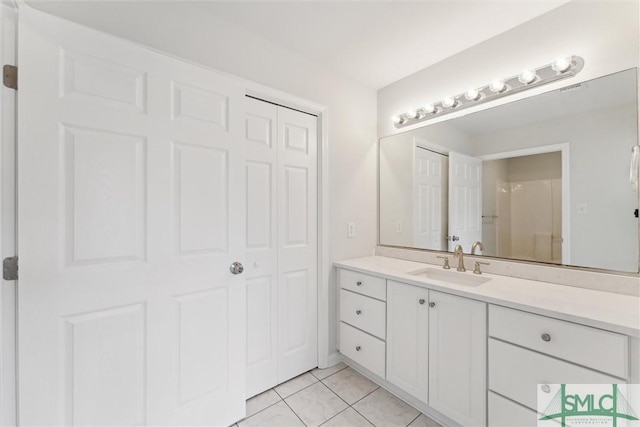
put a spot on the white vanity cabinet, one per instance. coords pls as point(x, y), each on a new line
point(458, 357)
point(408, 338)
point(528, 351)
point(479, 357)
point(436, 350)
point(362, 319)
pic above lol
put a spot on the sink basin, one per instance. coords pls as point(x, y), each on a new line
point(455, 278)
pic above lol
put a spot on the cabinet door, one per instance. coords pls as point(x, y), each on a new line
point(457, 358)
point(407, 340)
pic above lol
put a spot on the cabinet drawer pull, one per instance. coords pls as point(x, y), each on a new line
point(358, 283)
point(358, 312)
point(545, 337)
point(358, 348)
point(421, 301)
point(432, 304)
point(545, 388)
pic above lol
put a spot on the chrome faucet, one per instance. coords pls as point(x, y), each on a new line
point(457, 252)
point(475, 245)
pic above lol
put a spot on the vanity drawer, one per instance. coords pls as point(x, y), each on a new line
point(515, 372)
point(363, 349)
point(363, 312)
point(594, 348)
point(375, 287)
point(505, 413)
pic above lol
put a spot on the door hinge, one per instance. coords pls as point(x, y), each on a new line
point(10, 268)
point(10, 76)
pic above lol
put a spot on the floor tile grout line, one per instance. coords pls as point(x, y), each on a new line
point(294, 412)
point(266, 407)
point(362, 415)
point(339, 370)
point(339, 397)
point(283, 398)
point(371, 392)
point(329, 419)
point(417, 416)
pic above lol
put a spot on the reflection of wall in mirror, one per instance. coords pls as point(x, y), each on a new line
point(601, 203)
point(523, 207)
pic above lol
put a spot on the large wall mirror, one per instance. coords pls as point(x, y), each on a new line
point(543, 179)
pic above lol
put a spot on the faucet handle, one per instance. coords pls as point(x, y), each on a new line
point(446, 262)
point(476, 269)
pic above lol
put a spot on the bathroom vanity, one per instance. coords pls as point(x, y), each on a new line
point(473, 349)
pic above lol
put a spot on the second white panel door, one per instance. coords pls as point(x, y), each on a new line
point(281, 170)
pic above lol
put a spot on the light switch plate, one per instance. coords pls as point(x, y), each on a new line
point(351, 229)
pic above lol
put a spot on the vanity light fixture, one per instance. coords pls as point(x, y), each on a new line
point(449, 102)
point(472, 94)
point(497, 86)
point(561, 68)
point(528, 76)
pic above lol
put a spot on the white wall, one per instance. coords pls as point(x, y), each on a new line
point(605, 34)
point(186, 31)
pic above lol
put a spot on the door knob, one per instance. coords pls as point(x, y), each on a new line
point(453, 238)
point(432, 304)
point(236, 268)
point(421, 301)
point(545, 337)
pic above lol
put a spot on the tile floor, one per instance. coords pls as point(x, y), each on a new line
point(332, 397)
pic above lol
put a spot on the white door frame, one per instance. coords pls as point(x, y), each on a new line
point(275, 96)
point(8, 241)
point(563, 148)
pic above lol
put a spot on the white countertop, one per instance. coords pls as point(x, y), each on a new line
point(605, 310)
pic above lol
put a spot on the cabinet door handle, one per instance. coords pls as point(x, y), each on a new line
point(545, 337)
point(358, 348)
point(358, 312)
point(432, 304)
point(358, 283)
point(421, 301)
point(545, 388)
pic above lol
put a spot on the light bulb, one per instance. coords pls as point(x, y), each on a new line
point(412, 114)
point(449, 102)
point(527, 76)
point(561, 65)
point(472, 94)
point(497, 86)
point(429, 109)
point(397, 120)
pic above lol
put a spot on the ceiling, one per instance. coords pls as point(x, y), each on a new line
point(378, 42)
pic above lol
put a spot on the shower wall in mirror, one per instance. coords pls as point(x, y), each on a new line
point(543, 179)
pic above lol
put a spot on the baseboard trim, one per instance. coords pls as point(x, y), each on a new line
point(331, 360)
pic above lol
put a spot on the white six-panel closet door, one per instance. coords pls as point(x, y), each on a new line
point(131, 209)
point(281, 171)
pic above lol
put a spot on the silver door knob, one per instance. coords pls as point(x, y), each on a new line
point(545, 388)
point(236, 268)
point(358, 283)
point(432, 304)
point(358, 348)
point(545, 337)
point(358, 312)
point(421, 301)
point(453, 238)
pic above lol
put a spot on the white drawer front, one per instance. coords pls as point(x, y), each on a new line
point(515, 372)
point(594, 348)
point(375, 287)
point(362, 348)
point(363, 312)
point(505, 413)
